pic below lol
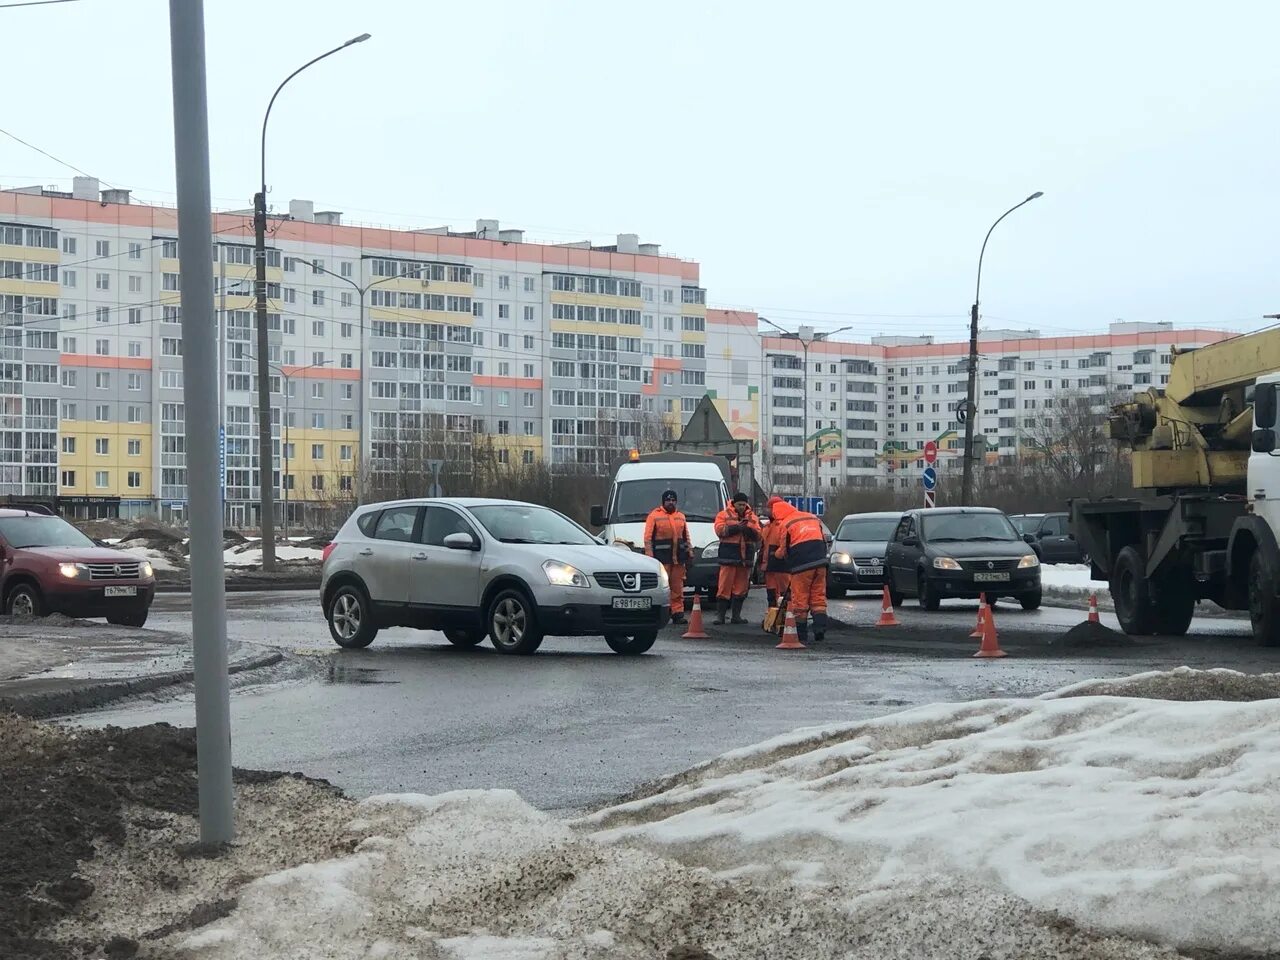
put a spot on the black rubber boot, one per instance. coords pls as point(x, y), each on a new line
point(819, 626)
point(737, 610)
point(802, 630)
point(773, 598)
point(722, 608)
point(678, 618)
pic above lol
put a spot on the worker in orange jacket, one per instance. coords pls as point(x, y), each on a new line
point(666, 539)
point(776, 578)
point(739, 531)
point(802, 544)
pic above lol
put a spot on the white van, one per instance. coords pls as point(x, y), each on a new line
point(700, 483)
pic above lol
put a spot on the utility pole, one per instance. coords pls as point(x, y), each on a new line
point(200, 395)
point(971, 403)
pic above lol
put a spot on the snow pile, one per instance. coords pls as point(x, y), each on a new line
point(250, 554)
point(1057, 827)
point(1070, 577)
point(161, 561)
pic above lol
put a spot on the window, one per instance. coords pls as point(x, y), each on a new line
point(317, 451)
point(504, 311)
point(529, 314)
point(345, 269)
point(317, 298)
point(396, 523)
point(317, 266)
point(102, 281)
point(668, 323)
point(529, 399)
point(102, 248)
point(69, 411)
point(102, 348)
point(668, 296)
point(528, 284)
point(317, 421)
point(135, 283)
point(135, 448)
point(527, 371)
point(170, 346)
point(69, 378)
point(504, 282)
point(101, 479)
point(346, 299)
point(102, 380)
point(102, 446)
point(69, 245)
point(68, 444)
point(317, 481)
point(504, 340)
point(68, 278)
point(317, 391)
point(134, 480)
point(102, 314)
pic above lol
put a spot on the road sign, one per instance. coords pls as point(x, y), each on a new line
point(928, 499)
point(930, 451)
point(929, 478)
point(815, 505)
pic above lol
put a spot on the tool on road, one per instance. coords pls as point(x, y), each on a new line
point(790, 635)
point(887, 619)
point(1093, 609)
point(775, 617)
point(990, 646)
point(695, 631)
point(982, 618)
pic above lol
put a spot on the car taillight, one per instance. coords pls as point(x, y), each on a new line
point(324, 554)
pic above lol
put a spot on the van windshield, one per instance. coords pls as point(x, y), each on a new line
point(699, 500)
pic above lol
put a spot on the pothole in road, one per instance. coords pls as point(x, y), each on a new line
point(342, 673)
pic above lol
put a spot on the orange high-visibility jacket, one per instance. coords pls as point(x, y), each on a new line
point(737, 536)
point(802, 544)
point(666, 537)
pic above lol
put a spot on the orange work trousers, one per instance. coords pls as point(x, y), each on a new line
point(734, 581)
point(809, 592)
point(777, 581)
point(676, 572)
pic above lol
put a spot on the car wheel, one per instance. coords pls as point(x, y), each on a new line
point(129, 618)
point(1131, 594)
point(895, 597)
point(1031, 601)
point(929, 599)
point(25, 600)
point(350, 617)
point(463, 638)
point(513, 623)
point(630, 646)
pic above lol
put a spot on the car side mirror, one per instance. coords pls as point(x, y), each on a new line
point(461, 541)
point(597, 515)
point(1041, 534)
point(1029, 538)
point(1263, 441)
point(911, 541)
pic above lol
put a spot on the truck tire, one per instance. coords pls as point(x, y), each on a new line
point(1264, 606)
point(1131, 594)
point(1175, 604)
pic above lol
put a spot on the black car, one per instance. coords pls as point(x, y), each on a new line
point(960, 552)
point(1050, 537)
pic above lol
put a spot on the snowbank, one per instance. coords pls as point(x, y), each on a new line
point(1069, 576)
point(1057, 827)
point(161, 561)
point(251, 556)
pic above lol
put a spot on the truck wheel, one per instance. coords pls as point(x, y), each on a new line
point(1264, 606)
point(1131, 594)
point(1175, 603)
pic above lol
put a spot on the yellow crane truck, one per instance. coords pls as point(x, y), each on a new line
point(1203, 450)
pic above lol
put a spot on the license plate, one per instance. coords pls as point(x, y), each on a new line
point(877, 571)
point(121, 591)
point(632, 603)
point(990, 577)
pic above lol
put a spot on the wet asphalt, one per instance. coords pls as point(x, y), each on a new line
point(576, 726)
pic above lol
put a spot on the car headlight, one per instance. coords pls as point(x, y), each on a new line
point(664, 581)
point(563, 575)
point(1030, 560)
point(841, 558)
point(945, 563)
point(711, 550)
point(145, 569)
point(73, 571)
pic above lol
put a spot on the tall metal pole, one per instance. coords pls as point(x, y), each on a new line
point(361, 386)
point(200, 394)
point(804, 421)
point(971, 405)
point(284, 453)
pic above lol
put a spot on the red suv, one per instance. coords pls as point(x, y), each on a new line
point(48, 566)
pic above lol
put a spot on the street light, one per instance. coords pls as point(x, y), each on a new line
point(361, 290)
point(285, 380)
point(971, 408)
point(266, 493)
point(813, 338)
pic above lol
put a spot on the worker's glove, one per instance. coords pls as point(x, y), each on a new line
point(731, 528)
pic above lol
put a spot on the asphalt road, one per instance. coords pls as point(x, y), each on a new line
point(576, 726)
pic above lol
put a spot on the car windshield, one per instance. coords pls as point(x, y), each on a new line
point(41, 532)
point(526, 523)
point(968, 526)
point(867, 528)
point(1026, 524)
point(699, 500)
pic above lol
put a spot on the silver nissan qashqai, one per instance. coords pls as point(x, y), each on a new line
point(515, 572)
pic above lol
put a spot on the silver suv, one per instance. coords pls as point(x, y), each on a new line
point(513, 571)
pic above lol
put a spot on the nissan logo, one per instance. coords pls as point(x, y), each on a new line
point(629, 581)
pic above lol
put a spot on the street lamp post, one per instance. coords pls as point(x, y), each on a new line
point(266, 492)
point(971, 407)
point(813, 338)
point(361, 290)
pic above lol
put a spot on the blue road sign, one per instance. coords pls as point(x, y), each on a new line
point(929, 478)
point(815, 505)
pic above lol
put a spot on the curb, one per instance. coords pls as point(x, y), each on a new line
point(38, 705)
point(244, 586)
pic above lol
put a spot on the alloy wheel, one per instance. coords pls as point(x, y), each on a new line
point(346, 616)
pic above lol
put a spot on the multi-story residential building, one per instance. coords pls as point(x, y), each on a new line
point(872, 406)
point(564, 353)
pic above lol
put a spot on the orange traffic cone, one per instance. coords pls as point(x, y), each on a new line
point(695, 631)
point(990, 644)
point(982, 618)
point(887, 619)
point(790, 636)
point(1093, 609)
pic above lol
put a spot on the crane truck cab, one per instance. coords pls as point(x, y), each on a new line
point(700, 483)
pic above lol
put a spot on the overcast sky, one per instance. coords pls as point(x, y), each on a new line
point(837, 162)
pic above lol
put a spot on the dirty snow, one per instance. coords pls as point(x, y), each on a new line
point(251, 556)
point(1070, 577)
point(1078, 825)
point(162, 562)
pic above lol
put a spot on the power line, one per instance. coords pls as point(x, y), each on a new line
point(33, 3)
